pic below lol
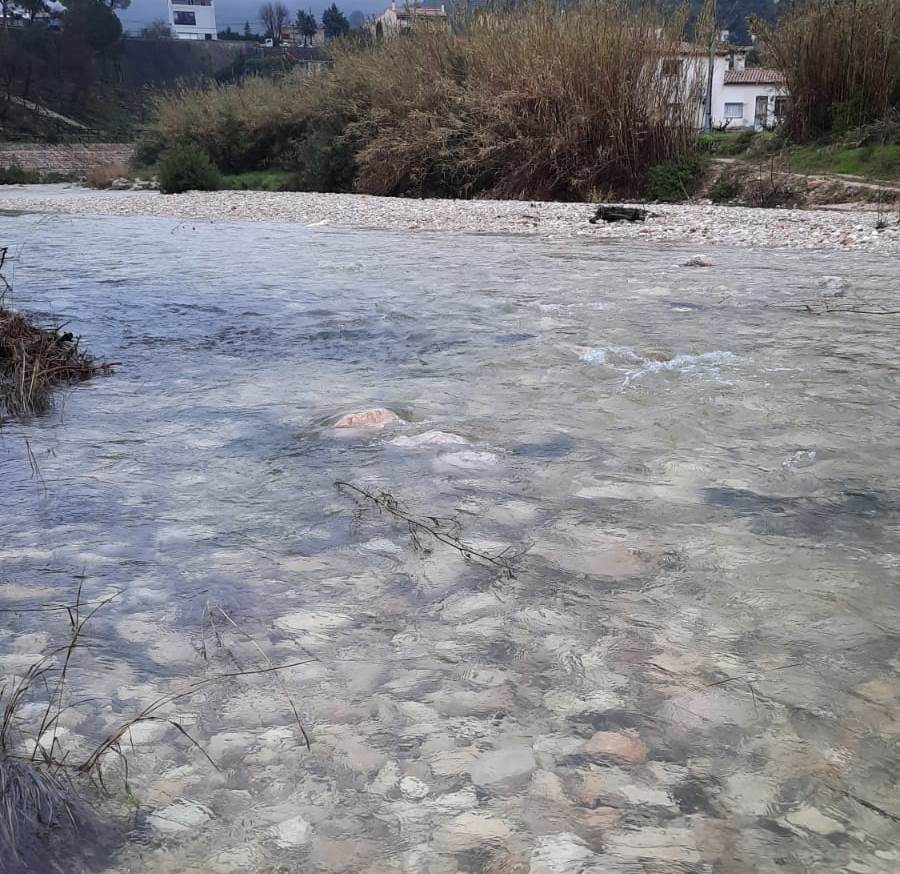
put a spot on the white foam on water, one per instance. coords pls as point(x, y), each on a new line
point(704, 362)
point(611, 355)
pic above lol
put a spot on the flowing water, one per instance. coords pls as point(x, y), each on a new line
point(694, 665)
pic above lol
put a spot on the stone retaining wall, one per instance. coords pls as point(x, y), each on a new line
point(74, 160)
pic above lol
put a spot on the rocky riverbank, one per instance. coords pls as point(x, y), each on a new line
point(845, 229)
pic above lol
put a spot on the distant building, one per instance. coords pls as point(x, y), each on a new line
point(193, 19)
point(397, 18)
point(291, 35)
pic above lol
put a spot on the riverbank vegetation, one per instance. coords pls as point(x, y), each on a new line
point(34, 360)
point(536, 103)
point(532, 103)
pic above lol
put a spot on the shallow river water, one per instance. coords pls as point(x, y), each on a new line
point(694, 665)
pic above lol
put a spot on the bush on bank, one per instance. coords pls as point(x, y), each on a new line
point(187, 168)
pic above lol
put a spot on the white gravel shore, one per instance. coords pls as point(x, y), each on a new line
point(845, 229)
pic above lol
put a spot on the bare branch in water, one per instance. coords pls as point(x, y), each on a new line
point(268, 661)
point(446, 531)
point(148, 714)
point(827, 307)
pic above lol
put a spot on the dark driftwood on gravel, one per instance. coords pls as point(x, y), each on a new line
point(619, 214)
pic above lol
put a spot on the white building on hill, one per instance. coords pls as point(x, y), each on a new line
point(193, 19)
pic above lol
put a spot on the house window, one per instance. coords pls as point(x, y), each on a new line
point(671, 66)
point(780, 110)
point(734, 110)
point(186, 18)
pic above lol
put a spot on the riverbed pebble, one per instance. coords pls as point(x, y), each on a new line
point(832, 228)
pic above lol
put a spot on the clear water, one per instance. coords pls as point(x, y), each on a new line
point(695, 665)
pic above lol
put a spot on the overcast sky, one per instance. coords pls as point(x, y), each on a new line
point(234, 13)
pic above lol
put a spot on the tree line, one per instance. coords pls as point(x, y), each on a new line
point(275, 16)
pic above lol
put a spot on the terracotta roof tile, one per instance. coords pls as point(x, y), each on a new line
point(754, 76)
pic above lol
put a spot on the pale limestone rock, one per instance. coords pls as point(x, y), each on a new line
point(560, 854)
point(181, 816)
point(313, 621)
point(812, 819)
point(470, 830)
point(450, 763)
point(413, 788)
point(293, 832)
point(500, 766)
point(468, 459)
point(386, 779)
point(663, 844)
point(429, 438)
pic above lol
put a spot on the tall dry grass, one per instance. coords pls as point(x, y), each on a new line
point(537, 102)
point(840, 59)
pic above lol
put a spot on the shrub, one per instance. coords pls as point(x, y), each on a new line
point(769, 194)
point(186, 168)
point(841, 62)
point(726, 189)
point(673, 181)
point(103, 177)
point(16, 175)
point(149, 149)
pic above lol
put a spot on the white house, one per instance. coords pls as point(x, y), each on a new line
point(743, 98)
point(193, 19)
point(750, 98)
point(397, 18)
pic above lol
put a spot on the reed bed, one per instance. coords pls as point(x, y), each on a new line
point(538, 102)
point(841, 62)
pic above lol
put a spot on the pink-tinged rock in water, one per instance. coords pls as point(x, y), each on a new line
point(622, 746)
point(377, 417)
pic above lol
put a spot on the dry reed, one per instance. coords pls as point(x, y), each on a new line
point(34, 360)
point(840, 59)
point(537, 102)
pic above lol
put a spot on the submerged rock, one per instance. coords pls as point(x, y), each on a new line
point(500, 766)
point(293, 832)
point(560, 854)
point(620, 746)
point(470, 830)
point(180, 817)
point(466, 460)
point(812, 819)
point(377, 417)
point(413, 788)
point(429, 438)
point(699, 261)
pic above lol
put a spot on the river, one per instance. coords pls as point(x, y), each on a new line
point(692, 665)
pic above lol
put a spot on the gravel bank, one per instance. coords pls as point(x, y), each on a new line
point(694, 223)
